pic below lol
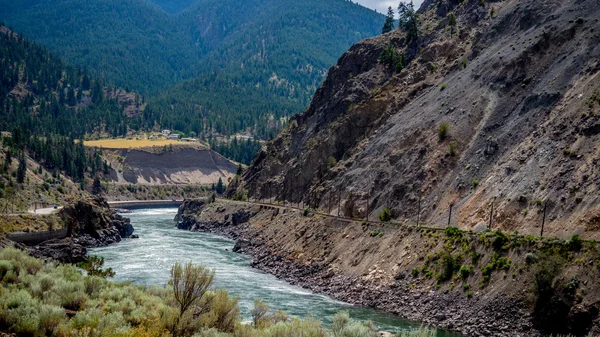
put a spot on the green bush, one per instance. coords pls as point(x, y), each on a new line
point(453, 232)
point(448, 266)
point(443, 131)
point(385, 215)
point(376, 233)
point(452, 148)
point(331, 162)
point(575, 243)
point(241, 194)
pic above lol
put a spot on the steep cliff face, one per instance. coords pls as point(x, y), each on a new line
point(517, 90)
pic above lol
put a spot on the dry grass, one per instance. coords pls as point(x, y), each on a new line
point(34, 223)
point(121, 143)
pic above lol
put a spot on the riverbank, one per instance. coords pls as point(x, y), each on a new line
point(476, 284)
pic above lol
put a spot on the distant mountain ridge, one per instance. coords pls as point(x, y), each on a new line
point(272, 52)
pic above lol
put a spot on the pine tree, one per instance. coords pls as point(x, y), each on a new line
point(22, 170)
point(388, 26)
point(97, 186)
point(408, 21)
point(220, 188)
point(240, 170)
point(452, 23)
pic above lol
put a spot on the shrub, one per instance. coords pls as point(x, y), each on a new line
point(71, 294)
point(376, 232)
point(50, 317)
point(385, 215)
point(5, 267)
point(575, 243)
point(93, 267)
point(448, 266)
point(343, 326)
point(500, 241)
point(453, 232)
point(475, 183)
point(189, 284)
point(452, 148)
point(331, 162)
point(443, 87)
point(443, 131)
point(465, 271)
point(224, 312)
point(241, 194)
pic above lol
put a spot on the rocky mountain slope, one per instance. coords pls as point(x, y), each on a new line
point(502, 112)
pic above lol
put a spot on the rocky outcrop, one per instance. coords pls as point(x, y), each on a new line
point(64, 251)
point(189, 217)
point(89, 223)
point(92, 223)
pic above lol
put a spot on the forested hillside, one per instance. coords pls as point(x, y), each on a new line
point(46, 105)
point(247, 63)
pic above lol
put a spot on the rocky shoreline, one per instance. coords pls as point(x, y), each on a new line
point(498, 316)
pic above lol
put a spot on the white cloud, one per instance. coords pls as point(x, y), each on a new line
point(382, 5)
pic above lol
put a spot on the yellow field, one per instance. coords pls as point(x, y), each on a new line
point(121, 143)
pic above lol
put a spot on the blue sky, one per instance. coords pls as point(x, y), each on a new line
point(382, 5)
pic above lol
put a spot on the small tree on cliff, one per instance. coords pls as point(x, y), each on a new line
point(220, 187)
point(452, 23)
point(408, 21)
point(97, 186)
point(388, 26)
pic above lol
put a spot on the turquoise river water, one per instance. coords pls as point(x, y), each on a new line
point(147, 261)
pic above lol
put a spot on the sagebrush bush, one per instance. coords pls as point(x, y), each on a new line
point(45, 299)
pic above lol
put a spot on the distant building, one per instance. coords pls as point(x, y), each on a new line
point(191, 140)
point(166, 132)
point(173, 136)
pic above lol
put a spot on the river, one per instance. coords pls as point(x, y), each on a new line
point(147, 261)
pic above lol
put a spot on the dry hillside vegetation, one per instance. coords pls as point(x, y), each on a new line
point(504, 110)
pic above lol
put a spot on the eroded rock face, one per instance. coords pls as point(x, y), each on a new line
point(518, 90)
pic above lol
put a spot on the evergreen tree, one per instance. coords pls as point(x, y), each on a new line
point(240, 170)
point(220, 188)
point(388, 26)
point(452, 23)
point(97, 186)
point(408, 21)
point(22, 170)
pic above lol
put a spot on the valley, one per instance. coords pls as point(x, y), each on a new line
point(432, 172)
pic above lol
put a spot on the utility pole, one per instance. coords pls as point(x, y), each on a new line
point(339, 203)
point(419, 213)
point(450, 215)
point(544, 219)
point(368, 206)
point(492, 215)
